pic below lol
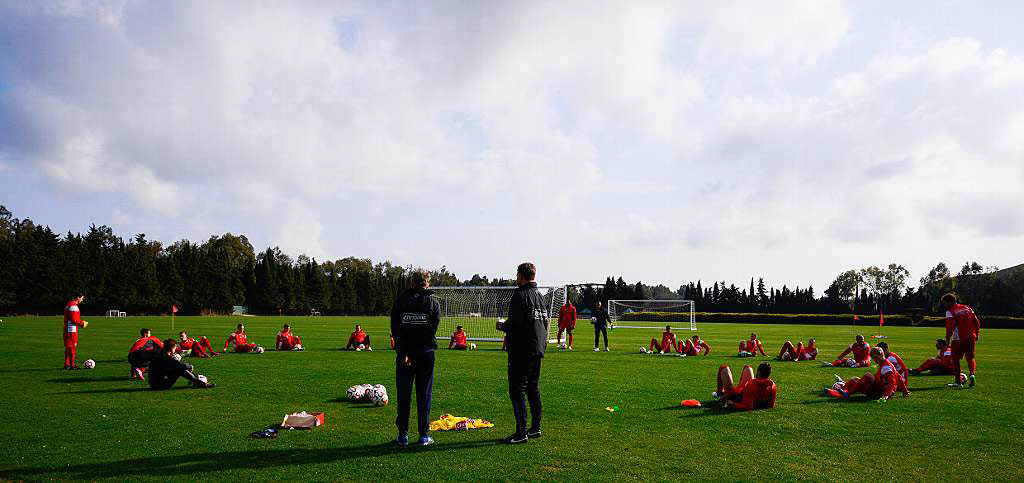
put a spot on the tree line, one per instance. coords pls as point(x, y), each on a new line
point(40, 270)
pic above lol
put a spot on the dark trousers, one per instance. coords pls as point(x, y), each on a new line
point(598, 330)
point(422, 373)
point(168, 373)
point(523, 376)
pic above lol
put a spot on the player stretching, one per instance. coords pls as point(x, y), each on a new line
point(668, 342)
point(693, 346)
point(239, 341)
point(72, 322)
point(941, 364)
point(896, 360)
point(799, 352)
point(879, 386)
point(860, 350)
point(165, 369)
point(357, 338)
point(286, 341)
point(751, 393)
point(962, 325)
point(458, 340)
point(749, 348)
point(143, 351)
point(188, 346)
point(566, 323)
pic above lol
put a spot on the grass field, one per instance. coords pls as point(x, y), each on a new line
point(99, 425)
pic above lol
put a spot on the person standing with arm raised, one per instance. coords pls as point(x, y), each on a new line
point(527, 331)
point(414, 320)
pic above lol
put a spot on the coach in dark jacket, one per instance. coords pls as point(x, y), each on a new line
point(527, 332)
point(414, 320)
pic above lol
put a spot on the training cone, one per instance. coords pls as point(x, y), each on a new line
point(690, 403)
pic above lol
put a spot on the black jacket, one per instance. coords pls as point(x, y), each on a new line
point(414, 320)
point(527, 323)
point(602, 317)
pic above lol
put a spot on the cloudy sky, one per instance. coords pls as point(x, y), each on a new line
point(662, 141)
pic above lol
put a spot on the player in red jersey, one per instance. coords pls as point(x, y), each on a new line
point(750, 348)
point(566, 323)
point(799, 352)
point(239, 341)
point(751, 393)
point(962, 328)
point(879, 386)
point(142, 352)
point(941, 364)
point(188, 346)
point(668, 342)
point(357, 338)
point(860, 350)
point(287, 341)
point(72, 323)
point(901, 369)
point(693, 346)
point(458, 340)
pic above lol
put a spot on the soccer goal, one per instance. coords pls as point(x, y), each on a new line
point(477, 309)
point(116, 313)
point(652, 314)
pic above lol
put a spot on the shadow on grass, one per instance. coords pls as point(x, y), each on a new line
point(189, 465)
point(680, 407)
point(118, 390)
point(354, 404)
point(89, 379)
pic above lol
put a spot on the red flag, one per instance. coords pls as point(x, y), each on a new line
point(174, 309)
point(856, 317)
point(881, 319)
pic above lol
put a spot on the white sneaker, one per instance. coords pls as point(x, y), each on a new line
point(826, 364)
point(570, 347)
point(716, 396)
point(597, 350)
point(838, 379)
point(643, 350)
point(661, 352)
point(369, 349)
point(607, 349)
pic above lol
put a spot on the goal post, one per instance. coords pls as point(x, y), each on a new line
point(477, 309)
point(652, 314)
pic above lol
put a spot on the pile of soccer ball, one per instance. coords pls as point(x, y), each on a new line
point(376, 394)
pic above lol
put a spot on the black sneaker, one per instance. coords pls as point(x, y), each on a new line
point(516, 439)
point(533, 433)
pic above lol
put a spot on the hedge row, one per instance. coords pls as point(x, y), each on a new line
point(987, 321)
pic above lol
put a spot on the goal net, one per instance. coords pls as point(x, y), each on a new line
point(651, 314)
point(477, 309)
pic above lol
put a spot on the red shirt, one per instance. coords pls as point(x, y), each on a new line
point(897, 362)
point(757, 394)
point(667, 338)
point(237, 338)
point(72, 317)
point(459, 337)
point(358, 336)
point(807, 353)
point(147, 344)
point(753, 345)
point(184, 345)
point(692, 349)
point(861, 353)
point(886, 379)
point(962, 323)
point(567, 314)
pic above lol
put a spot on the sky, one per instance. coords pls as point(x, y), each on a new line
point(661, 141)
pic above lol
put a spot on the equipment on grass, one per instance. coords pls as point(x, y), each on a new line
point(477, 308)
point(379, 395)
point(177, 357)
point(472, 346)
point(89, 364)
point(259, 349)
point(962, 378)
point(360, 347)
point(651, 314)
point(202, 379)
point(693, 403)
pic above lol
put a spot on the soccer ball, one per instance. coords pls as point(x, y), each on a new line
point(259, 349)
point(787, 356)
point(298, 347)
point(379, 397)
point(593, 320)
point(360, 347)
point(90, 364)
point(643, 350)
point(365, 391)
point(202, 379)
point(851, 363)
point(177, 357)
point(472, 346)
point(352, 393)
point(963, 378)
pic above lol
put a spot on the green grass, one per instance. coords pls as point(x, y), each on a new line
point(98, 425)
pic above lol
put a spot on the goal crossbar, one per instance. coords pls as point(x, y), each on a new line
point(651, 314)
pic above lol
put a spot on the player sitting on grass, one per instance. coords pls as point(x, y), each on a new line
point(188, 346)
point(143, 351)
point(896, 360)
point(749, 348)
point(668, 342)
point(751, 393)
point(799, 352)
point(879, 386)
point(165, 370)
point(860, 350)
point(693, 346)
point(239, 341)
point(458, 340)
point(286, 341)
point(359, 338)
point(941, 364)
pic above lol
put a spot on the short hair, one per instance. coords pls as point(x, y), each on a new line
point(169, 345)
point(527, 270)
point(695, 336)
point(458, 327)
point(811, 341)
point(182, 333)
point(859, 336)
point(949, 298)
point(884, 345)
point(753, 334)
point(940, 342)
point(419, 278)
point(142, 332)
point(878, 351)
point(668, 327)
point(287, 326)
point(240, 326)
point(764, 370)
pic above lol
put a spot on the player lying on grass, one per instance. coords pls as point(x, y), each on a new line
point(188, 346)
point(880, 385)
point(860, 350)
point(239, 342)
point(458, 340)
point(941, 364)
point(751, 393)
point(668, 342)
point(287, 341)
point(143, 351)
point(694, 345)
point(962, 328)
point(749, 348)
point(359, 337)
point(896, 360)
point(799, 352)
point(165, 370)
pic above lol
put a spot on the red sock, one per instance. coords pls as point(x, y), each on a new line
point(67, 357)
point(971, 365)
point(73, 350)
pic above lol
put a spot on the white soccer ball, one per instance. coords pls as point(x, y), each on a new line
point(786, 356)
point(360, 347)
point(472, 346)
point(379, 398)
point(90, 364)
point(177, 357)
point(202, 379)
point(593, 320)
point(352, 393)
point(259, 349)
point(851, 363)
point(963, 378)
point(365, 392)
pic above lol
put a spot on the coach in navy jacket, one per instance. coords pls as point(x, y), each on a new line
point(527, 332)
point(414, 320)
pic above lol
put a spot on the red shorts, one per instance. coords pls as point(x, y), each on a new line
point(70, 339)
point(963, 347)
point(566, 325)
